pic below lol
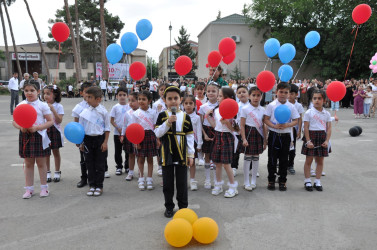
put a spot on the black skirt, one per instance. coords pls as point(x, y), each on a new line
point(208, 145)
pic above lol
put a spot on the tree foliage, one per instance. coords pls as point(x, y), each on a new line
point(236, 74)
point(151, 64)
point(290, 20)
point(184, 47)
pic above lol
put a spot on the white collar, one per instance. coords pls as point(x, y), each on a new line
point(33, 102)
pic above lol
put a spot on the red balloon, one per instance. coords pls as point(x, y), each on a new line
point(183, 65)
point(198, 104)
point(60, 31)
point(265, 80)
point(207, 65)
point(25, 115)
point(336, 91)
point(229, 58)
point(137, 70)
point(135, 133)
point(228, 108)
point(214, 58)
point(361, 13)
point(227, 46)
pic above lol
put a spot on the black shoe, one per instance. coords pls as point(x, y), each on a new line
point(282, 186)
point(127, 170)
point(118, 171)
point(169, 213)
point(318, 188)
point(291, 170)
point(308, 187)
point(271, 186)
point(82, 183)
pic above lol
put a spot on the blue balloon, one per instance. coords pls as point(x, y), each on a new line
point(282, 114)
point(74, 132)
point(285, 73)
point(287, 52)
point(129, 42)
point(271, 47)
point(114, 53)
point(312, 39)
point(144, 29)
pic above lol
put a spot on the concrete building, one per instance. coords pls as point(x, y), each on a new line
point(166, 63)
point(250, 43)
point(64, 70)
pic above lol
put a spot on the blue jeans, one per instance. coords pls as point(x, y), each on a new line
point(334, 106)
point(366, 108)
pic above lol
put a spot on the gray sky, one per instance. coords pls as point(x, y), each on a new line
point(194, 15)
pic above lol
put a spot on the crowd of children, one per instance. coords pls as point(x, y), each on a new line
point(176, 132)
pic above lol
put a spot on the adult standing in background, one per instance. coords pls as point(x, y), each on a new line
point(216, 76)
point(26, 79)
point(103, 86)
point(36, 80)
point(93, 81)
point(374, 99)
point(13, 89)
point(123, 83)
point(153, 85)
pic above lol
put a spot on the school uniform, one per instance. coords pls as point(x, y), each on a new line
point(223, 144)
point(157, 103)
point(96, 121)
point(236, 155)
point(175, 149)
point(253, 129)
point(279, 141)
point(76, 114)
point(118, 112)
point(292, 151)
point(208, 129)
point(197, 128)
point(317, 132)
point(55, 131)
point(34, 145)
point(127, 145)
point(147, 119)
point(203, 101)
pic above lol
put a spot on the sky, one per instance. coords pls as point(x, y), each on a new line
point(194, 15)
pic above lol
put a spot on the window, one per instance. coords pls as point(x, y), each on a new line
point(62, 76)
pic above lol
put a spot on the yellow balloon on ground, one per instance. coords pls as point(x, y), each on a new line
point(178, 232)
point(205, 230)
point(187, 214)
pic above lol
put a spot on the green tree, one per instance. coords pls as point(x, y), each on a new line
point(151, 64)
point(2, 55)
point(183, 47)
point(90, 28)
point(236, 74)
point(290, 20)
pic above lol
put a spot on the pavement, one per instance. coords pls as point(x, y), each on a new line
point(343, 216)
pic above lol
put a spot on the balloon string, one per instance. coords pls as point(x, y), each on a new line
point(294, 78)
point(371, 73)
point(56, 74)
point(268, 59)
point(349, 61)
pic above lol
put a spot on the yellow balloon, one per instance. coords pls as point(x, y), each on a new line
point(187, 214)
point(205, 230)
point(178, 232)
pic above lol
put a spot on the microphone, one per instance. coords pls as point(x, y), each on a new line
point(173, 126)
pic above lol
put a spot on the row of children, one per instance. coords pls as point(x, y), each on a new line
point(175, 135)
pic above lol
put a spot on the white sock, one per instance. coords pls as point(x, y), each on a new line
point(254, 171)
point(131, 172)
point(44, 186)
point(149, 179)
point(207, 172)
point(317, 182)
point(214, 173)
point(308, 180)
point(191, 179)
point(200, 155)
point(246, 172)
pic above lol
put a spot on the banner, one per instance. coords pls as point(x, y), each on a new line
point(30, 56)
point(116, 71)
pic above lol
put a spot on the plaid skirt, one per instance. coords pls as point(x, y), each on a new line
point(128, 147)
point(31, 146)
point(255, 141)
point(223, 148)
point(148, 145)
point(55, 137)
point(317, 138)
point(208, 145)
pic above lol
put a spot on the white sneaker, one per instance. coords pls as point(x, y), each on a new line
point(218, 189)
point(141, 183)
point(201, 162)
point(207, 184)
point(247, 187)
point(150, 183)
point(129, 177)
point(312, 173)
point(159, 171)
point(194, 185)
point(323, 174)
point(107, 175)
point(234, 172)
point(257, 174)
point(232, 191)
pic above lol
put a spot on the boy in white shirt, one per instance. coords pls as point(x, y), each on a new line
point(96, 122)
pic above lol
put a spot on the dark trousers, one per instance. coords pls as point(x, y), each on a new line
point(104, 93)
point(292, 153)
point(118, 153)
point(84, 171)
point(23, 95)
point(278, 148)
point(13, 100)
point(95, 160)
point(181, 184)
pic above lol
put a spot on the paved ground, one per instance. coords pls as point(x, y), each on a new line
point(344, 216)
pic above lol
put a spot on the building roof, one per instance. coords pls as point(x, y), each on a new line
point(231, 19)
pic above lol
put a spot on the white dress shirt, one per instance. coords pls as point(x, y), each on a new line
point(146, 118)
point(219, 126)
point(254, 117)
point(317, 119)
point(119, 112)
point(159, 102)
point(197, 127)
point(270, 111)
point(95, 121)
point(13, 84)
point(79, 108)
point(60, 110)
point(203, 110)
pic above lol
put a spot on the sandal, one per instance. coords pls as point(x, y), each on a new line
point(308, 186)
point(282, 186)
point(141, 184)
point(48, 176)
point(91, 191)
point(57, 176)
point(271, 186)
point(98, 192)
